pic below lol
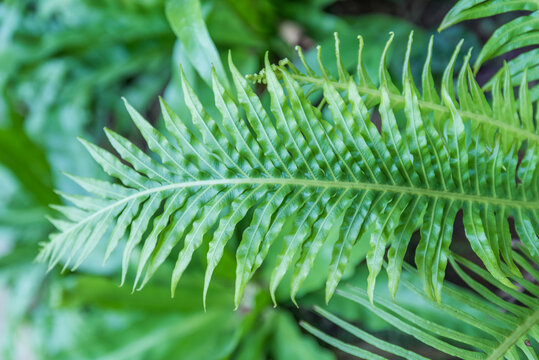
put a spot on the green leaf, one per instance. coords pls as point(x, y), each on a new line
point(294, 169)
point(185, 18)
point(484, 326)
point(474, 9)
point(518, 33)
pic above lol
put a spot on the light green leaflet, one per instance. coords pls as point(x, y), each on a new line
point(496, 328)
point(519, 33)
point(298, 164)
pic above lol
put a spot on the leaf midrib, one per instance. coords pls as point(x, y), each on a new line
point(517, 334)
point(398, 99)
point(320, 184)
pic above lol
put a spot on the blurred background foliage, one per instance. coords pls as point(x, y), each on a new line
point(64, 64)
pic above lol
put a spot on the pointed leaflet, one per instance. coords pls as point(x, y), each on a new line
point(431, 247)
point(383, 231)
point(487, 220)
point(312, 130)
point(115, 168)
point(253, 236)
point(337, 150)
point(527, 230)
point(371, 135)
point(267, 137)
point(343, 74)
point(394, 142)
point(364, 79)
point(300, 230)
point(510, 107)
point(292, 203)
point(193, 152)
point(463, 92)
point(475, 232)
point(478, 96)
point(415, 133)
point(312, 246)
point(383, 73)
point(288, 127)
point(238, 208)
point(178, 225)
point(526, 105)
point(399, 244)
point(87, 203)
point(347, 127)
point(128, 214)
point(515, 34)
point(349, 233)
point(72, 213)
point(138, 159)
point(474, 9)
point(138, 227)
point(245, 143)
point(96, 235)
point(82, 231)
point(504, 236)
point(102, 188)
point(207, 217)
point(429, 90)
point(214, 140)
point(173, 203)
point(170, 156)
point(457, 146)
point(447, 80)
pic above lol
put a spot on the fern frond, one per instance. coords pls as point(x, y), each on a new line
point(498, 328)
point(304, 170)
point(501, 115)
point(516, 34)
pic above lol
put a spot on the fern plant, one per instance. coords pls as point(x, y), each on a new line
point(519, 33)
point(497, 328)
point(302, 168)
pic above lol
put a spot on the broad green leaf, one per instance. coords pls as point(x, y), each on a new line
point(185, 18)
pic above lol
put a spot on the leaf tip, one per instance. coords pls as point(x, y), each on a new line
point(273, 300)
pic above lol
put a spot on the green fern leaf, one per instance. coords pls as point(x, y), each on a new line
point(497, 328)
point(519, 33)
point(311, 166)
